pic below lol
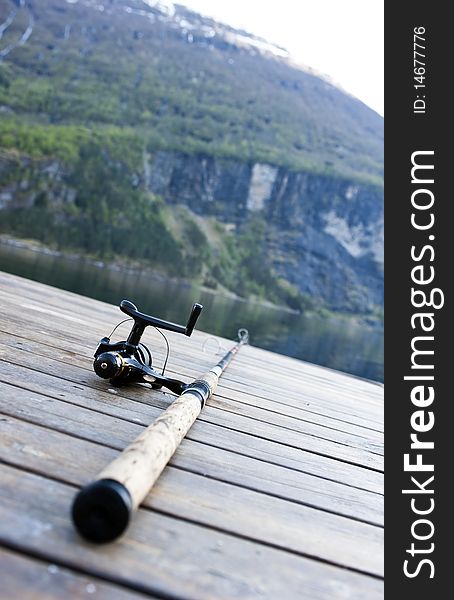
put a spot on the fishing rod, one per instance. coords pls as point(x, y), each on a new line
point(102, 510)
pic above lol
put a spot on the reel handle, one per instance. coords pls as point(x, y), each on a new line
point(195, 314)
point(141, 320)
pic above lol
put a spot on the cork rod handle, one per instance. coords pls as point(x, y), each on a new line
point(102, 510)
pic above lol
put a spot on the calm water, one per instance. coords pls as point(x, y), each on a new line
point(335, 343)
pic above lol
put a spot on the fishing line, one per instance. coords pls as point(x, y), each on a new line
point(143, 348)
point(168, 350)
point(117, 326)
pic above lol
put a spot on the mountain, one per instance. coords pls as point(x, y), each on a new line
point(143, 129)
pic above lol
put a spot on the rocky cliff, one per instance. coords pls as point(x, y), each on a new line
point(324, 234)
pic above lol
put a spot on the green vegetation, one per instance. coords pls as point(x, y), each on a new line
point(92, 91)
point(107, 218)
point(111, 220)
point(65, 142)
point(123, 70)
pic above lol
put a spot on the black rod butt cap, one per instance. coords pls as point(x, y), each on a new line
point(101, 510)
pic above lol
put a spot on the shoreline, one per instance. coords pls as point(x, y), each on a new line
point(131, 267)
point(119, 266)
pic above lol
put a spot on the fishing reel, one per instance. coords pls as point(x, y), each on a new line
point(131, 361)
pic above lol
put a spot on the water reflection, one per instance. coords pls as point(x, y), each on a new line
point(336, 343)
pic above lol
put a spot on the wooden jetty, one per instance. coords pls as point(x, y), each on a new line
point(275, 493)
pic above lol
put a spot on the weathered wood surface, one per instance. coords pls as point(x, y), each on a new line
point(25, 578)
point(276, 492)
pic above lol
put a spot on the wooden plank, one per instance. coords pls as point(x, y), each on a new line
point(55, 390)
point(322, 376)
point(296, 528)
point(351, 450)
point(246, 406)
point(142, 413)
point(21, 439)
point(304, 407)
point(188, 365)
point(102, 310)
point(35, 447)
point(335, 431)
point(164, 556)
point(24, 578)
point(345, 384)
point(289, 479)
